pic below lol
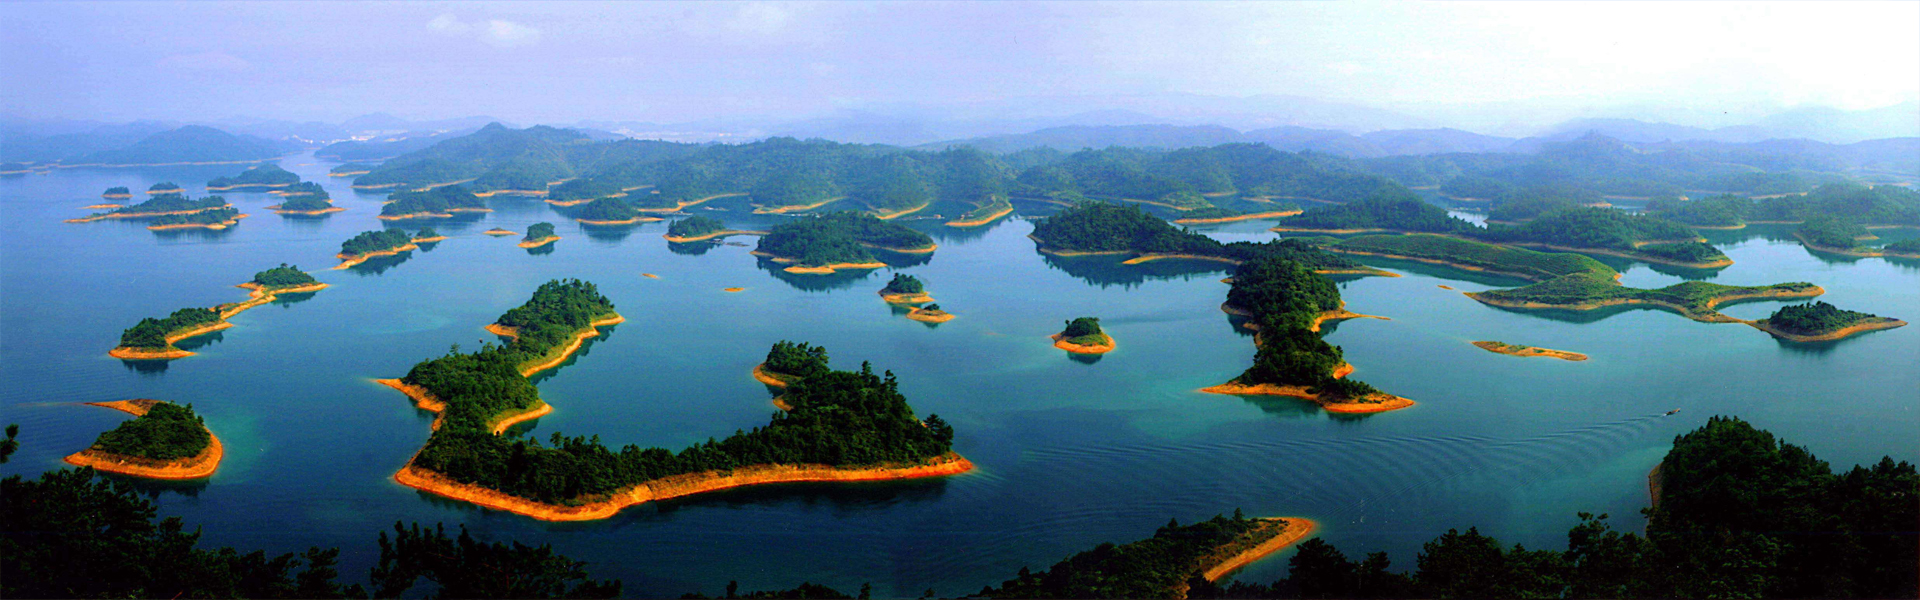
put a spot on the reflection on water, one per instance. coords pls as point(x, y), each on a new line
point(1085, 359)
point(290, 299)
point(196, 234)
point(693, 248)
point(146, 367)
point(380, 264)
point(837, 280)
point(543, 249)
point(609, 233)
point(1106, 271)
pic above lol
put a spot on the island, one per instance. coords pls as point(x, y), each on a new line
point(305, 198)
point(611, 211)
point(1564, 280)
point(498, 232)
point(1091, 228)
point(153, 339)
point(159, 206)
point(1163, 566)
point(434, 203)
point(700, 228)
point(164, 188)
point(117, 193)
point(930, 313)
point(162, 441)
point(1397, 211)
point(284, 279)
point(836, 241)
point(1820, 322)
point(302, 188)
point(1083, 336)
point(218, 218)
point(1286, 302)
point(984, 214)
point(789, 362)
point(1836, 235)
point(369, 244)
point(1206, 217)
point(538, 234)
point(350, 169)
point(262, 176)
point(1519, 350)
point(427, 235)
point(842, 426)
point(905, 289)
point(1612, 232)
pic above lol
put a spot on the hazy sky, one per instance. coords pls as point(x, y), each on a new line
point(673, 62)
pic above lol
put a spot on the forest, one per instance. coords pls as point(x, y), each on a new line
point(151, 334)
point(694, 226)
point(1397, 211)
point(797, 360)
point(167, 432)
point(438, 200)
point(903, 283)
point(117, 191)
point(169, 203)
point(1284, 298)
point(367, 242)
point(1830, 232)
point(1084, 331)
point(263, 175)
point(163, 188)
point(205, 217)
point(1094, 226)
point(606, 209)
point(1591, 228)
point(1815, 318)
point(838, 237)
point(306, 189)
point(283, 276)
point(1156, 567)
point(538, 231)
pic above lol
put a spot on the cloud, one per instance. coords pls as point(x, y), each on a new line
point(759, 18)
point(205, 61)
point(499, 33)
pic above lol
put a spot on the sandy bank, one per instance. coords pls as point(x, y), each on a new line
point(539, 242)
point(649, 276)
point(418, 215)
point(917, 298)
point(258, 295)
point(380, 186)
point(632, 221)
point(891, 215)
point(1146, 258)
point(499, 231)
point(930, 316)
point(124, 352)
point(781, 210)
point(773, 378)
point(1844, 332)
point(1060, 341)
point(709, 236)
point(830, 268)
point(215, 225)
point(673, 487)
point(425, 400)
point(166, 191)
point(679, 206)
point(1291, 530)
point(733, 289)
point(928, 249)
point(194, 467)
point(554, 360)
point(994, 216)
point(117, 196)
point(347, 173)
point(1382, 403)
point(429, 240)
point(575, 202)
point(1445, 287)
point(1709, 316)
point(354, 259)
point(1237, 218)
point(312, 213)
point(1518, 350)
point(108, 206)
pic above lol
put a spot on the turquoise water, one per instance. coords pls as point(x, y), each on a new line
point(1070, 452)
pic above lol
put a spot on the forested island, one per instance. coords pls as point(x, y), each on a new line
point(1285, 303)
point(165, 187)
point(369, 244)
point(283, 279)
point(1092, 228)
point(117, 193)
point(905, 289)
point(1564, 280)
point(842, 426)
point(163, 441)
point(159, 206)
point(427, 235)
point(553, 320)
point(304, 198)
point(153, 339)
point(498, 232)
point(439, 202)
point(931, 313)
point(610, 211)
point(838, 240)
point(1171, 564)
point(1519, 350)
point(700, 228)
point(1083, 335)
point(218, 218)
point(350, 169)
point(1612, 232)
point(539, 234)
point(262, 176)
point(788, 362)
point(984, 214)
point(1819, 321)
point(1395, 211)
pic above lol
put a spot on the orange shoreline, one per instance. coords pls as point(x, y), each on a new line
point(1519, 350)
point(678, 206)
point(889, 216)
point(354, 259)
point(498, 231)
point(1844, 332)
point(539, 242)
point(198, 466)
point(919, 298)
point(633, 221)
point(215, 226)
point(312, 213)
point(1296, 529)
point(144, 215)
point(105, 206)
point(929, 316)
point(579, 338)
point(1711, 316)
point(781, 210)
point(126, 353)
point(995, 216)
point(1238, 218)
point(1060, 341)
point(708, 236)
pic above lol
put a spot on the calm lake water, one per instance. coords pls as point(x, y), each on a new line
point(1071, 453)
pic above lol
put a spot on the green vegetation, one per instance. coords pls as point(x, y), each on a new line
point(903, 283)
point(151, 334)
point(167, 432)
point(1815, 318)
point(259, 176)
point(164, 187)
point(1284, 298)
point(439, 200)
point(205, 217)
point(368, 242)
point(167, 203)
point(1400, 211)
point(607, 209)
point(305, 189)
point(282, 276)
point(119, 190)
point(426, 233)
point(1591, 228)
point(838, 237)
point(305, 196)
point(1103, 227)
point(1877, 205)
point(1528, 203)
point(352, 167)
point(1908, 246)
point(1528, 264)
point(1830, 232)
point(789, 360)
point(1689, 252)
point(1724, 210)
point(538, 231)
point(694, 226)
point(1085, 331)
point(1162, 566)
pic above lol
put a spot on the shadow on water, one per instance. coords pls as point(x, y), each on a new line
point(1106, 271)
point(1686, 273)
point(837, 280)
point(1085, 359)
point(543, 249)
point(379, 264)
point(693, 248)
point(146, 367)
point(609, 233)
point(285, 300)
point(153, 488)
point(586, 348)
point(427, 246)
point(843, 497)
point(939, 231)
point(201, 341)
point(195, 235)
point(901, 260)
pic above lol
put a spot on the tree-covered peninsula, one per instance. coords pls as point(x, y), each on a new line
point(1613, 232)
point(698, 228)
point(281, 279)
point(842, 426)
point(1834, 234)
point(1285, 302)
point(1398, 211)
point(350, 169)
point(153, 338)
point(539, 234)
point(163, 441)
point(838, 240)
point(439, 202)
point(1819, 321)
point(1083, 335)
point(788, 362)
point(610, 211)
point(217, 218)
point(159, 206)
point(262, 176)
point(368, 244)
point(1167, 565)
point(1104, 228)
point(117, 192)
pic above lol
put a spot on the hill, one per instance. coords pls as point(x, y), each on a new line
point(190, 144)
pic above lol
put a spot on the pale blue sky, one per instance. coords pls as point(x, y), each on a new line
point(670, 62)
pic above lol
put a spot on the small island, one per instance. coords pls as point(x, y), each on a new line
point(836, 241)
point(427, 235)
point(263, 176)
point(700, 228)
point(538, 234)
point(301, 200)
point(611, 211)
point(1166, 565)
point(985, 214)
point(930, 313)
point(117, 193)
point(905, 289)
point(350, 170)
point(1286, 302)
point(369, 244)
point(789, 362)
point(218, 218)
point(1083, 336)
point(159, 206)
point(163, 441)
point(434, 203)
point(498, 232)
point(1089, 228)
point(1820, 322)
point(165, 188)
point(284, 279)
point(1519, 350)
point(153, 339)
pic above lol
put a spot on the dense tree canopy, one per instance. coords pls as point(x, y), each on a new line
point(1398, 211)
point(695, 225)
point(607, 209)
point(538, 231)
point(375, 241)
point(438, 200)
point(1815, 318)
point(151, 334)
point(1284, 298)
point(167, 431)
point(260, 176)
point(903, 283)
point(283, 276)
point(838, 237)
point(1104, 227)
point(205, 217)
